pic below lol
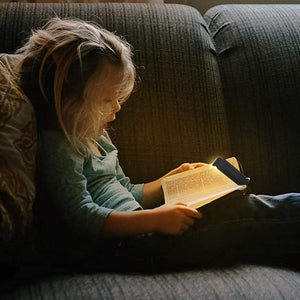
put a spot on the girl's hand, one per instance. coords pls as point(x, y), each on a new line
point(185, 167)
point(175, 219)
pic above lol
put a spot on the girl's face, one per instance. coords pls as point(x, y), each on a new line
point(102, 90)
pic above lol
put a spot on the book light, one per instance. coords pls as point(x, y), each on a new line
point(230, 171)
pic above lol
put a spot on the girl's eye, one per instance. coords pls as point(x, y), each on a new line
point(110, 101)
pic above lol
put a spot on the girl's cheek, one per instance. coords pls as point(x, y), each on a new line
point(103, 109)
point(108, 107)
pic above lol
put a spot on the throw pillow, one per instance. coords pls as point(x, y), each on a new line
point(17, 154)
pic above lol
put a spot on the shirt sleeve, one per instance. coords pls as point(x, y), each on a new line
point(61, 176)
point(135, 189)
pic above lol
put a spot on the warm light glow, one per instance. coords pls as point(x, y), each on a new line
point(212, 161)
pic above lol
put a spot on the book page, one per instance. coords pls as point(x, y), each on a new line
point(204, 184)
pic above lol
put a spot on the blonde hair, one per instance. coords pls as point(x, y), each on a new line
point(58, 60)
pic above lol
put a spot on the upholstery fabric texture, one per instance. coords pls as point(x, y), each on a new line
point(258, 50)
point(239, 282)
point(17, 153)
point(152, 123)
point(227, 85)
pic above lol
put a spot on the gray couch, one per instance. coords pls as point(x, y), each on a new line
point(226, 84)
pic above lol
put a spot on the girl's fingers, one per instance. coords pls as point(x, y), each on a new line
point(185, 167)
point(195, 214)
point(191, 212)
point(184, 227)
point(188, 166)
point(189, 221)
point(199, 164)
point(181, 203)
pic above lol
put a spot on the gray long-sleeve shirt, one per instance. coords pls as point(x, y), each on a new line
point(84, 190)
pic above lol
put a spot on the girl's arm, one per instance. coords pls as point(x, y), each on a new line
point(166, 219)
point(152, 192)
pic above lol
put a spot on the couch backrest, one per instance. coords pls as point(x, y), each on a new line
point(177, 114)
point(258, 49)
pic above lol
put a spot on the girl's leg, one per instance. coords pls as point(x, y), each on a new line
point(235, 227)
point(250, 227)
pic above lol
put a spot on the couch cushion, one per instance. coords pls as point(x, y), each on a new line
point(237, 282)
point(258, 50)
point(17, 153)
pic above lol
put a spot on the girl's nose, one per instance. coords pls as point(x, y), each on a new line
point(117, 106)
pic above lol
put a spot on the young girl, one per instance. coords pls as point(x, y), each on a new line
point(77, 76)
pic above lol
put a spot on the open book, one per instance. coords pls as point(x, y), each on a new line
point(199, 186)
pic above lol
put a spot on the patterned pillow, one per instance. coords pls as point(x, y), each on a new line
point(17, 154)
